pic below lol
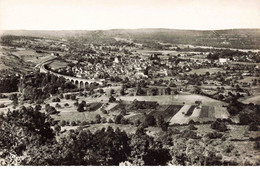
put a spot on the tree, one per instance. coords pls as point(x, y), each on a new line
point(149, 120)
point(168, 91)
point(122, 91)
point(63, 123)
point(80, 107)
point(118, 119)
point(112, 91)
point(104, 111)
point(220, 126)
point(98, 118)
point(24, 127)
point(112, 99)
point(139, 91)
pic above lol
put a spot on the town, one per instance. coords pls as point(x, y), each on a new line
point(181, 96)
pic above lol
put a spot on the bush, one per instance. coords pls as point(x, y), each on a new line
point(61, 96)
point(257, 145)
point(56, 99)
point(190, 134)
point(214, 135)
point(80, 107)
point(124, 121)
point(83, 123)
point(67, 97)
point(191, 122)
point(104, 111)
point(73, 97)
point(51, 110)
point(149, 121)
point(104, 120)
point(58, 105)
point(112, 99)
point(73, 123)
point(66, 104)
point(118, 119)
point(253, 127)
point(63, 123)
point(98, 118)
point(2, 96)
point(192, 127)
point(2, 105)
point(39, 101)
point(220, 126)
point(137, 123)
point(228, 148)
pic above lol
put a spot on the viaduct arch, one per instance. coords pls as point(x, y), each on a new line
point(80, 83)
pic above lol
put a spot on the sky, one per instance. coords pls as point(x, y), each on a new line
point(128, 14)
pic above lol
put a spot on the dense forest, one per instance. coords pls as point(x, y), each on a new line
point(39, 86)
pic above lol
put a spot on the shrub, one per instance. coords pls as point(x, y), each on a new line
point(80, 107)
point(118, 119)
point(58, 105)
point(253, 127)
point(51, 110)
point(149, 121)
point(214, 135)
point(66, 104)
point(61, 96)
point(56, 99)
point(220, 126)
point(63, 123)
point(257, 145)
point(124, 121)
point(2, 105)
point(104, 111)
point(83, 123)
point(2, 96)
point(245, 118)
point(190, 134)
point(192, 127)
point(137, 123)
point(39, 101)
point(228, 148)
point(98, 118)
point(112, 99)
point(191, 122)
point(73, 123)
point(73, 97)
point(104, 120)
point(67, 97)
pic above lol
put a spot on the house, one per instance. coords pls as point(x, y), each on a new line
point(223, 60)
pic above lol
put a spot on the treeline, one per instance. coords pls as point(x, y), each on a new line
point(8, 85)
point(225, 54)
point(7, 39)
point(247, 113)
point(39, 86)
point(28, 138)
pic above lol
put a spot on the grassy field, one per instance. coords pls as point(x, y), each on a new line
point(58, 64)
point(204, 70)
point(252, 99)
point(177, 99)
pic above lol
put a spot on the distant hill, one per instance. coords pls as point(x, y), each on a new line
point(233, 38)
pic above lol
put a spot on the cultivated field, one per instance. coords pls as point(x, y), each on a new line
point(204, 70)
point(177, 99)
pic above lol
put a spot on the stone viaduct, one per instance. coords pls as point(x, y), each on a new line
point(81, 83)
